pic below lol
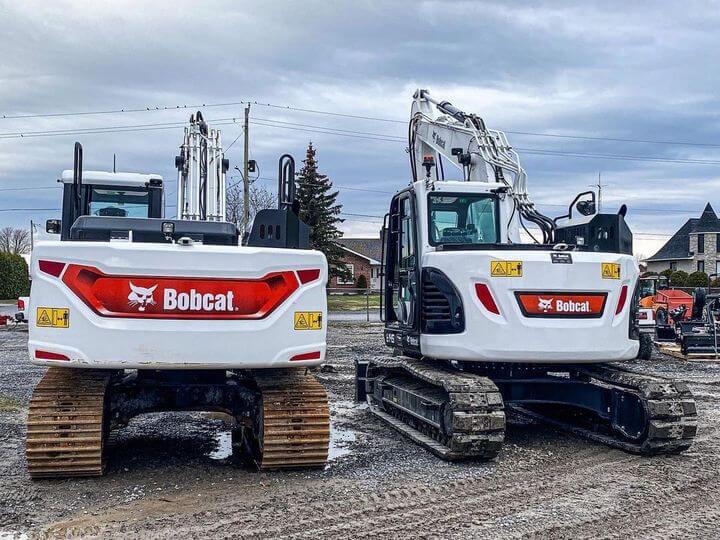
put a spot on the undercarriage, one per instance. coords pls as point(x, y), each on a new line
point(281, 416)
point(456, 411)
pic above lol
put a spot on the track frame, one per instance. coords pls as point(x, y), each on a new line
point(606, 403)
point(281, 415)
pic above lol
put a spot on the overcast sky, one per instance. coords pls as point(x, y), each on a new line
point(649, 71)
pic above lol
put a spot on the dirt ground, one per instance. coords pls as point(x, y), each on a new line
point(169, 475)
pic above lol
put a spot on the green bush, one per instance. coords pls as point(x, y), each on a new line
point(678, 278)
point(362, 282)
point(667, 273)
point(697, 279)
point(14, 280)
point(715, 282)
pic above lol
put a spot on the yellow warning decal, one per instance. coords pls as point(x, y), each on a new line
point(506, 268)
point(308, 320)
point(610, 271)
point(53, 317)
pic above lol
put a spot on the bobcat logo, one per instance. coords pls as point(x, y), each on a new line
point(141, 296)
point(544, 304)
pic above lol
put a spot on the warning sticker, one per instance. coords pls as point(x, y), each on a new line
point(53, 317)
point(610, 271)
point(308, 320)
point(506, 268)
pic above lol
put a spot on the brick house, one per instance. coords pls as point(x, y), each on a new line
point(694, 247)
point(362, 257)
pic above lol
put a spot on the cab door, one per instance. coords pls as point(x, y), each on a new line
point(402, 271)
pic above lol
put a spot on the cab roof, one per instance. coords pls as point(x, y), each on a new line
point(111, 178)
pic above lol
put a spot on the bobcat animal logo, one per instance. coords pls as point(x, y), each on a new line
point(141, 296)
point(545, 304)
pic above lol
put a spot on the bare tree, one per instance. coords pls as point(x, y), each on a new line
point(260, 199)
point(15, 241)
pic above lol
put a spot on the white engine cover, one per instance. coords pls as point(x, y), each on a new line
point(550, 332)
point(124, 305)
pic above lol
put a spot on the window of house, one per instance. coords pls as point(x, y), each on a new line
point(701, 243)
point(673, 266)
point(717, 243)
point(701, 266)
point(351, 280)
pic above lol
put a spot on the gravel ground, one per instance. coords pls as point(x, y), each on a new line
point(169, 475)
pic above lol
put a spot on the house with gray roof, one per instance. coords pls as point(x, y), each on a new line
point(694, 247)
point(362, 257)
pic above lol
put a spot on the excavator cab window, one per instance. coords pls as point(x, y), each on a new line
point(647, 287)
point(119, 202)
point(462, 219)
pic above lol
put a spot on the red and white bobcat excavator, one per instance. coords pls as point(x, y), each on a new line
point(135, 313)
point(481, 319)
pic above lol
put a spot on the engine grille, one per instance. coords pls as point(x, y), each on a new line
point(435, 305)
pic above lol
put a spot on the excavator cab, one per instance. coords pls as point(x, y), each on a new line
point(105, 194)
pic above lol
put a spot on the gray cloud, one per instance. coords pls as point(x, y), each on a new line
point(644, 70)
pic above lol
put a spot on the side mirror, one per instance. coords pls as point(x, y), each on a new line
point(53, 226)
point(586, 208)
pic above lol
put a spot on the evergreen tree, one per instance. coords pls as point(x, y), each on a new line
point(320, 210)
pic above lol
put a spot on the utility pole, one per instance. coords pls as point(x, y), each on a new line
point(246, 171)
point(599, 191)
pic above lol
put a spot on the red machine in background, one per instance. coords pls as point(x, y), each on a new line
point(668, 306)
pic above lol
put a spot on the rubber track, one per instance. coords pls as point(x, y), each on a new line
point(669, 405)
point(295, 420)
point(478, 417)
point(65, 426)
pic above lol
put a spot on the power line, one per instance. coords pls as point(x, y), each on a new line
point(342, 187)
point(101, 129)
point(373, 218)
point(28, 209)
point(346, 133)
point(539, 151)
point(331, 131)
point(167, 108)
point(123, 110)
point(30, 188)
point(389, 135)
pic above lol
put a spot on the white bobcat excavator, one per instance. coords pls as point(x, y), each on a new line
point(135, 313)
point(480, 319)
